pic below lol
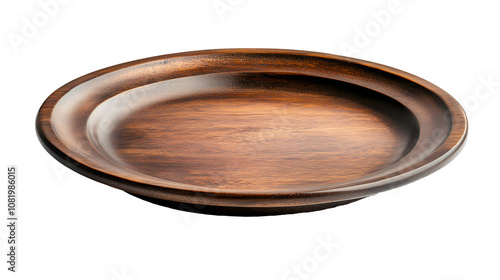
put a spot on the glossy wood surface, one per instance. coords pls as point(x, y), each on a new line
point(251, 131)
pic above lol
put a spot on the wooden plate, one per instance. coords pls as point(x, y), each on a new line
point(251, 131)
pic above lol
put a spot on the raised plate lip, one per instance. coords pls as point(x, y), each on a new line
point(445, 153)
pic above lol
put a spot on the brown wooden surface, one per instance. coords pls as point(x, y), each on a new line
point(249, 131)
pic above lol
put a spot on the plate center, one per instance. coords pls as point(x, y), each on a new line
point(262, 141)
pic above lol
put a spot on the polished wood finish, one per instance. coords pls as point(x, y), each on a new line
point(251, 131)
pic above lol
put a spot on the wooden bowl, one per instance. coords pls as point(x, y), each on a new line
point(251, 131)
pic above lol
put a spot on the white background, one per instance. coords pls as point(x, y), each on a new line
point(445, 226)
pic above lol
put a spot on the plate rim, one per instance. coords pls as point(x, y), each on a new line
point(441, 156)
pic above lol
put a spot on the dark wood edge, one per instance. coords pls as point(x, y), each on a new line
point(452, 145)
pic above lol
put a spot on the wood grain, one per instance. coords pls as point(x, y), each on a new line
point(250, 131)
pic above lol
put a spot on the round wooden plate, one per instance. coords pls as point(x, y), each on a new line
point(251, 131)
